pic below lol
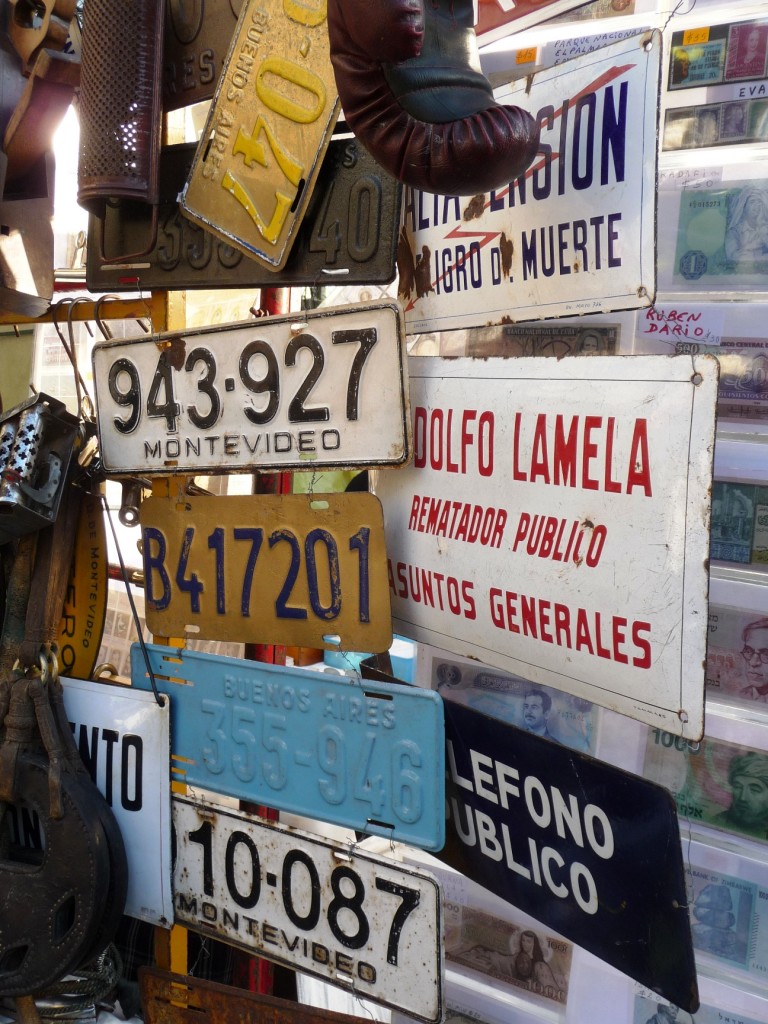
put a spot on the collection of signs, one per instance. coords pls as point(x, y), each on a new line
point(554, 521)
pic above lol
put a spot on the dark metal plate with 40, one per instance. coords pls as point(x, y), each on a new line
point(348, 236)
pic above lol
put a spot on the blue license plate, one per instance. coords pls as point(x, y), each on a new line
point(370, 756)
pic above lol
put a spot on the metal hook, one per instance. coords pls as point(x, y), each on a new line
point(108, 335)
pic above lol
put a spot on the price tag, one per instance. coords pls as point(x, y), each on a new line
point(695, 35)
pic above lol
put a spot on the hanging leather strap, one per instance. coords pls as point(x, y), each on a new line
point(49, 579)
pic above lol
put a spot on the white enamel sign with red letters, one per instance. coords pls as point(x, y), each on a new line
point(555, 522)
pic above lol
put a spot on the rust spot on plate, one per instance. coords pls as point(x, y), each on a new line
point(176, 353)
point(475, 207)
point(506, 248)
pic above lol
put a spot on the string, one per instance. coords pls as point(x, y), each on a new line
point(131, 602)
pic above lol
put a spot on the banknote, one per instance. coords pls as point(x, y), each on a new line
point(729, 919)
point(722, 235)
point(739, 530)
point(553, 339)
point(649, 1011)
point(596, 9)
point(544, 710)
point(715, 783)
point(524, 958)
point(742, 393)
point(733, 668)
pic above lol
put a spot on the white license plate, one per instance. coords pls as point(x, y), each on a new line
point(352, 919)
point(323, 388)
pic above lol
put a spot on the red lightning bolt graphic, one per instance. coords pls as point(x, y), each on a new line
point(487, 236)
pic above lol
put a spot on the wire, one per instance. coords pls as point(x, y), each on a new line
point(131, 602)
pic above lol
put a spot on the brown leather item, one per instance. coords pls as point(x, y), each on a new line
point(428, 116)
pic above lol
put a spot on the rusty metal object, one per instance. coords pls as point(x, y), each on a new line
point(177, 999)
point(197, 37)
point(348, 235)
point(120, 108)
point(267, 131)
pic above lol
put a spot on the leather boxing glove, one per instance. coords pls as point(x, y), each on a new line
point(410, 84)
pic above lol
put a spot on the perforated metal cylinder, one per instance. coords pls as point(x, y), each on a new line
point(22, 460)
point(120, 101)
point(7, 436)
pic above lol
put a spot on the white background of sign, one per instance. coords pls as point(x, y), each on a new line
point(146, 830)
point(649, 568)
point(499, 279)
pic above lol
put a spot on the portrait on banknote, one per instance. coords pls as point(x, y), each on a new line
point(715, 782)
point(539, 709)
point(531, 959)
point(737, 653)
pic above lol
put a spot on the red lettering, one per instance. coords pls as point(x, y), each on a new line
point(639, 474)
point(589, 452)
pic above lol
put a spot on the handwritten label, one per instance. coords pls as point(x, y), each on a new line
point(690, 177)
point(695, 35)
point(671, 323)
point(526, 56)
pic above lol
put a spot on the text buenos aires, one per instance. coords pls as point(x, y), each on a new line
point(547, 808)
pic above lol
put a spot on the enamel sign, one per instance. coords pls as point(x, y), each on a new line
point(575, 233)
point(555, 523)
point(123, 736)
point(590, 850)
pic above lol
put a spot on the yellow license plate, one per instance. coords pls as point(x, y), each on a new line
point(285, 569)
point(269, 126)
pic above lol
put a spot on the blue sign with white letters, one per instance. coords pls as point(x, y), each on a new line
point(362, 754)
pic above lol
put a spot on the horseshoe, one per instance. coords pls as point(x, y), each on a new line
point(51, 910)
point(409, 80)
